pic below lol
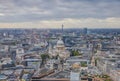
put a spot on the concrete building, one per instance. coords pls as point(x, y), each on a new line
point(33, 63)
point(115, 74)
point(59, 50)
point(77, 59)
point(75, 73)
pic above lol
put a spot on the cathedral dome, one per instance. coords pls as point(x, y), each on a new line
point(60, 42)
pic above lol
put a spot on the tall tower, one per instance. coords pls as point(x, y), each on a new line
point(62, 28)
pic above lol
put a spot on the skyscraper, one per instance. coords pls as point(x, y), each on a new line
point(85, 31)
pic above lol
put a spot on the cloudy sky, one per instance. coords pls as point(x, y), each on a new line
point(53, 13)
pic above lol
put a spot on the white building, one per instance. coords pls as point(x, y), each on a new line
point(75, 73)
point(115, 75)
point(76, 59)
point(19, 51)
point(50, 63)
point(59, 50)
point(4, 48)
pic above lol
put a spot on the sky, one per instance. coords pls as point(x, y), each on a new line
point(54, 13)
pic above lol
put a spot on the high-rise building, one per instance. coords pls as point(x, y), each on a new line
point(85, 31)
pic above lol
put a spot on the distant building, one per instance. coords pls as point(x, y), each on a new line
point(3, 77)
point(19, 50)
point(6, 63)
point(115, 75)
point(85, 31)
point(33, 63)
point(4, 48)
point(70, 61)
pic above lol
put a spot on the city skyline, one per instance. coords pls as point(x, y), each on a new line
point(54, 13)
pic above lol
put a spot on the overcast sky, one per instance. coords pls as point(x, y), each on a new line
point(53, 13)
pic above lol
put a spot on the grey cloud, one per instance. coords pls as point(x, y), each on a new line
point(37, 10)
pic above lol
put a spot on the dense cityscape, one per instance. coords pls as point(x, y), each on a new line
point(59, 40)
point(60, 54)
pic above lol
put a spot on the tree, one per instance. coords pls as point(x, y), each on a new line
point(83, 64)
point(44, 57)
point(75, 53)
point(96, 59)
point(108, 80)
